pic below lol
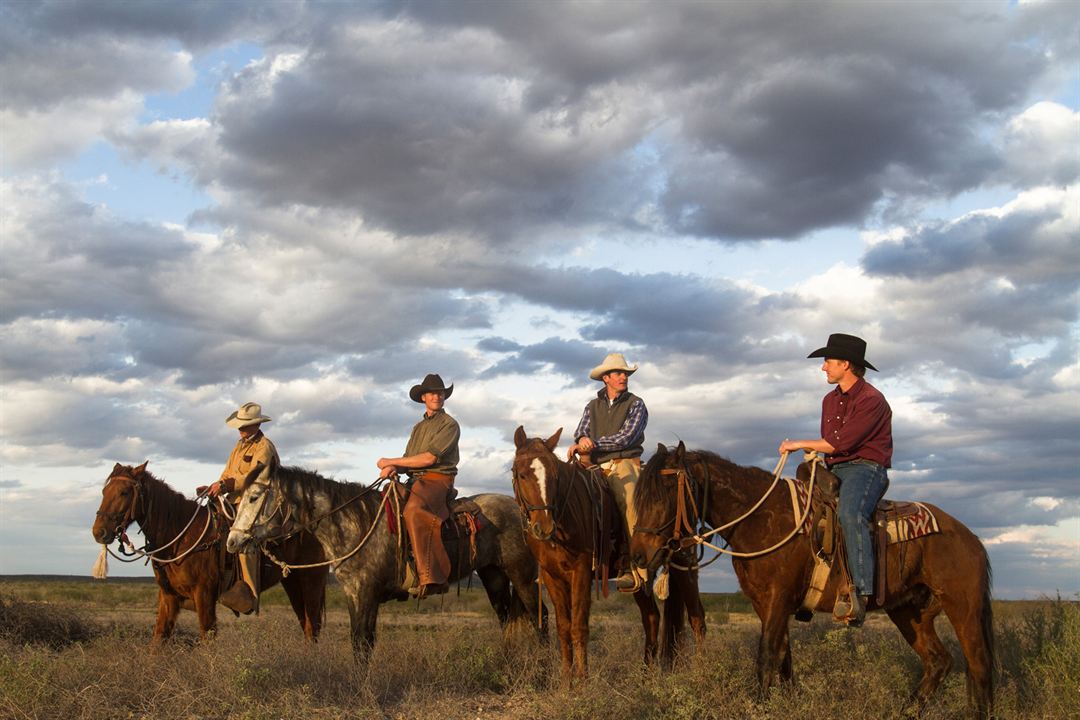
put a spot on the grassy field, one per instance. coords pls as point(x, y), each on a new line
point(73, 648)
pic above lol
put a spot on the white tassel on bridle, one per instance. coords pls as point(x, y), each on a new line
point(100, 570)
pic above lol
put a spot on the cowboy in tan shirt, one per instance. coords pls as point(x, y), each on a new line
point(431, 459)
point(254, 459)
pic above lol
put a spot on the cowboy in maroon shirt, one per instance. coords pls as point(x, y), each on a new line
point(856, 439)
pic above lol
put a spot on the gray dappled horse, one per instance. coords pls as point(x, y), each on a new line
point(347, 520)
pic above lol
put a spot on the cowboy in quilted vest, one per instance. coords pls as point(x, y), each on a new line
point(430, 460)
point(254, 459)
point(612, 433)
point(856, 439)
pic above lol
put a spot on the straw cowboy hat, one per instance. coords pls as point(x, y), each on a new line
point(248, 414)
point(844, 347)
point(614, 361)
point(431, 383)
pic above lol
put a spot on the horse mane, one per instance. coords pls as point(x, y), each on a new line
point(166, 510)
point(303, 486)
point(650, 488)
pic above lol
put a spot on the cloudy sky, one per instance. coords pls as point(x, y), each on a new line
point(311, 205)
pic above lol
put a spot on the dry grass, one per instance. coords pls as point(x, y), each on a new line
point(81, 658)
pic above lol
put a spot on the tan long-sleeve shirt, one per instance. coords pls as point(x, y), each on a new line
point(252, 460)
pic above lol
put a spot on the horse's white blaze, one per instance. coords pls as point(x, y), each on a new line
point(541, 478)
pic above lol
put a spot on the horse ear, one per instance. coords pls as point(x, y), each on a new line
point(661, 449)
point(520, 437)
point(553, 441)
point(141, 469)
point(116, 468)
point(680, 452)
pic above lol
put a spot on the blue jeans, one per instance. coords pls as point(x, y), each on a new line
point(862, 484)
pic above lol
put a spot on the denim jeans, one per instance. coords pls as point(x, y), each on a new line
point(862, 484)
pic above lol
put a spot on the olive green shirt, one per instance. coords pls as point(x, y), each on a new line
point(438, 435)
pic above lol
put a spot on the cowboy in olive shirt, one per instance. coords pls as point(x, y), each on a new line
point(430, 459)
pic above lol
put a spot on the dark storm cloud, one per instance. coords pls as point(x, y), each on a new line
point(735, 120)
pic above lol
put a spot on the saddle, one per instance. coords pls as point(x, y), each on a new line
point(610, 545)
point(892, 522)
point(458, 532)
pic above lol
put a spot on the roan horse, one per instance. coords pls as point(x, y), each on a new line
point(946, 571)
point(188, 572)
point(349, 521)
point(554, 497)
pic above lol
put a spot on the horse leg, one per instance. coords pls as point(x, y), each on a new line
point(580, 601)
point(787, 675)
point(206, 607)
point(650, 624)
point(168, 609)
point(559, 592)
point(916, 623)
point(691, 595)
point(363, 612)
point(972, 619)
point(526, 593)
point(497, 587)
point(771, 646)
point(314, 602)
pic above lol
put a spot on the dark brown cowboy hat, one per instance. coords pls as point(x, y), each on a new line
point(844, 347)
point(431, 383)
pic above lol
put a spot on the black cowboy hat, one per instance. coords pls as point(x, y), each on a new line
point(844, 347)
point(431, 383)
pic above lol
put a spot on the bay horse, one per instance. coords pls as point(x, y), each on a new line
point(188, 541)
point(560, 511)
point(948, 570)
point(352, 524)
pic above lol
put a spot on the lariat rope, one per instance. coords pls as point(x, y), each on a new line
point(700, 538)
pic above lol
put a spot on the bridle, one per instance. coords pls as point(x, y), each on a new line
point(123, 518)
point(687, 523)
point(553, 508)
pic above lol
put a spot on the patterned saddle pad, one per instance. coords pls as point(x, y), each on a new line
point(902, 520)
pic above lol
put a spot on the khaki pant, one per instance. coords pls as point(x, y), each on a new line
point(424, 514)
point(622, 475)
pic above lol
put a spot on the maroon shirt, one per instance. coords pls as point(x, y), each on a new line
point(857, 423)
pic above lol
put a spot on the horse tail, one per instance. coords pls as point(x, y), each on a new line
point(987, 616)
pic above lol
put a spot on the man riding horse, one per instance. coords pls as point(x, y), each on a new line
point(856, 439)
point(612, 433)
point(430, 460)
point(254, 459)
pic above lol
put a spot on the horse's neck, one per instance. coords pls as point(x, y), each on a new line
point(733, 491)
point(162, 512)
point(337, 521)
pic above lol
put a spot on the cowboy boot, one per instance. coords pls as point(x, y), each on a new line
point(238, 598)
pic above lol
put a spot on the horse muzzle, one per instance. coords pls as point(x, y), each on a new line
point(237, 541)
point(538, 532)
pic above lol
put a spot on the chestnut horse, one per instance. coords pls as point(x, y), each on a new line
point(187, 565)
point(560, 511)
point(947, 571)
point(350, 522)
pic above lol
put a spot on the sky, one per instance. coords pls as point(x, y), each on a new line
point(312, 205)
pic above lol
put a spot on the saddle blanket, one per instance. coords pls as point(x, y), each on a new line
point(904, 520)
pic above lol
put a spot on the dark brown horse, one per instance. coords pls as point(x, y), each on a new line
point(560, 512)
point(186, 543)
point(948, 570)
